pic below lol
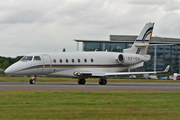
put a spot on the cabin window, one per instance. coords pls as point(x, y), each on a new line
point(54, 60)
point(66, 60)
point(60, 60)
point(79, 60)
point(92, 60)
point(27, 58)
point(72, 60)
point(85, 60)
point(37, 58)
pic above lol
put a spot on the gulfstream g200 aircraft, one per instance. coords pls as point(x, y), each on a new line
point(83, 65)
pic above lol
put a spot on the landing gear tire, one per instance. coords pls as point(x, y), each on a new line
point(81, 81)
point(102, 81)
point(33, 79)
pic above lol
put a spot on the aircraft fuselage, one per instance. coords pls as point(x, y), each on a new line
point(66, 63)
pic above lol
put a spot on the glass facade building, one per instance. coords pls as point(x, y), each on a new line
point(102, 46)
point(165, 54)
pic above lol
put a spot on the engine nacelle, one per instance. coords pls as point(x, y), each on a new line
point(129, 59)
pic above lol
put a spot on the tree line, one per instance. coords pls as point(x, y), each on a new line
point(5, 62)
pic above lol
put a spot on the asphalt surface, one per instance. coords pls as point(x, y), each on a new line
point(90, 86)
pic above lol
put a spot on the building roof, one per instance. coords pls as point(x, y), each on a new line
point(132, 38)
point(91, 40)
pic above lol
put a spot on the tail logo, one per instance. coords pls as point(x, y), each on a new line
point(138, 51)
point(148, 32)
point(141, 43)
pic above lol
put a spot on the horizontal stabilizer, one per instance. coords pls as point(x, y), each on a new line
point(137, 65)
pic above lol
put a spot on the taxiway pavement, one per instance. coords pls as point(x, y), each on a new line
point(90, 86)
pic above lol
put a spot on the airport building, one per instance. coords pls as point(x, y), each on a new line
point(161, 56)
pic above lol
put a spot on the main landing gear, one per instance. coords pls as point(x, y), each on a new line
point(33, 79)
point(81, 81)
point(102, 81)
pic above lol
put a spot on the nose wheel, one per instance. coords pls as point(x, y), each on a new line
point(33, 79)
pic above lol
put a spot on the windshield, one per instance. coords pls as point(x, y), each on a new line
point(27, 58)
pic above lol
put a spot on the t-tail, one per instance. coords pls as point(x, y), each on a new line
point(140, 45)
point(138, 53)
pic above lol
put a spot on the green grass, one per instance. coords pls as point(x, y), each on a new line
point(58, 79)
point(21, 105)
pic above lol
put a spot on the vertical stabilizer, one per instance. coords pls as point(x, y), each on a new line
point(143, 38)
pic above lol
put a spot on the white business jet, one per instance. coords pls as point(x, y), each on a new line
point(83, 65)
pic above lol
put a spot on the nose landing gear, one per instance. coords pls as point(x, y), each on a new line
point(33, 79)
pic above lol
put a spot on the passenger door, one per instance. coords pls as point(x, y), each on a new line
point(46, 64)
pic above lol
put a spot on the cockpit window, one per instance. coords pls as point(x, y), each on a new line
point(27, 58)
point(37, 58)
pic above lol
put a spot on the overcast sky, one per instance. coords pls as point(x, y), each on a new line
point(28, 26)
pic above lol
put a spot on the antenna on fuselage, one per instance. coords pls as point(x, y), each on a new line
point(64, 50)
point(96, 50)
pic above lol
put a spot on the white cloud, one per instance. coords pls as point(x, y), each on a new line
point(45, 25)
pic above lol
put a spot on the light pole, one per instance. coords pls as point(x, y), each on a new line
point(155, 58)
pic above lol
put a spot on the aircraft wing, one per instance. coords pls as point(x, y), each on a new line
point(129, 73)
point(101, 74)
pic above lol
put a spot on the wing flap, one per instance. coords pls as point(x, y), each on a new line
point(128, 73)
point(133, 73)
